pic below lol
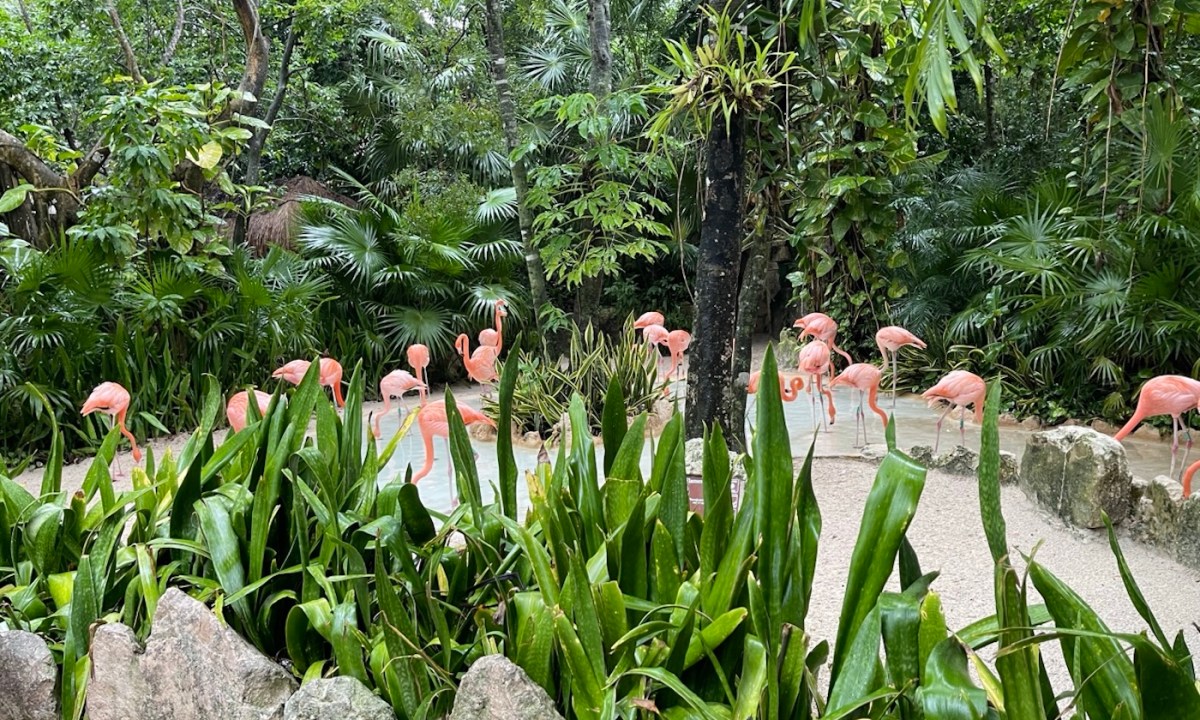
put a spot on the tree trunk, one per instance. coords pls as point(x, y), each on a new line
point(710, 398)
point(754, 284)
point(254, 149)
point(508, 120)
point(599, 29)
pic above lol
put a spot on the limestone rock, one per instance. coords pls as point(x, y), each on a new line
point(532, 438)
point(27, 677)
point(1076, 473)
point(1157, 519)
point(337, 698)
point(1008, 419)
point(876, 451)
point(923, 454)
point(1103, 426)
point(496, 689)
point(1031, 423)
point(192, 668)
point(1187, 544)
point(482, 432)
point(1137, 490)
point(959, 461)
point(1010, 468)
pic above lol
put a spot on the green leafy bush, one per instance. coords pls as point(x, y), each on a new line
point(592, 361)
point(611, 594)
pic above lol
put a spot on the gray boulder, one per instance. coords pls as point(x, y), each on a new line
point(1010, 468)
point(1157, 513)
point(923, 454)
point(959, 461)
point(27, 678)
point(338, 698)
point(1187, 547)
point(876, 451)
point(1076, 472)
point(192, 668)
point(496, 689)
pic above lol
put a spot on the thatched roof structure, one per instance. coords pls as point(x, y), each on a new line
point(279, 225)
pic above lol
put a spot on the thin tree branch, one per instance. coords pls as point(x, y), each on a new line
point(25, 15)
point(169, 52)
point(131, 62)
point(257, 49)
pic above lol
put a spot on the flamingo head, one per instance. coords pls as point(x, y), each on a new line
point(501, 308)
point(462, 343)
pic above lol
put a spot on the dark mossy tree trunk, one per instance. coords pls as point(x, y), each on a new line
point(711, 391)
point(498, 58)
point(754, 287)
point(587, 297)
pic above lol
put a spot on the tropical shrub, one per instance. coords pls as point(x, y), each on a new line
point(70, 320)
point(409, 268)
point(610, 594)
point(591, 363)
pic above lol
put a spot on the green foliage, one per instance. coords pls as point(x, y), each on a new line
point(153, 131)
point(598, 208)
point(611, 594)
point(418, 269)
point(591, 363)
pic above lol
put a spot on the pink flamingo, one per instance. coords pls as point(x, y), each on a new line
point(481, 364)
point(1166, 395)
point(958, 388)
point(330, 375)
point(433, 422)
point(863, 377)
point(823, 328)
point(789, 385)
point(647, 319)
point(418, 360)
point(677, 342)
point(238, 406)
point(113, 400)
point(396, 384)
point(654, 335)
point(890, 339)
point(495, 337)
point(814, 362)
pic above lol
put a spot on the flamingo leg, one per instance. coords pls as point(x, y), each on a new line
point(894, 355)
point(962, 426)
point(939, 428)
point(821, 394)
point(812, 404)
point(1187, 448)
point(1174, 443)
point(863, 414)
point(450, 477)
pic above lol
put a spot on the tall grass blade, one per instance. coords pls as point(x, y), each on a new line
point(613, 424)
point(890, 507)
